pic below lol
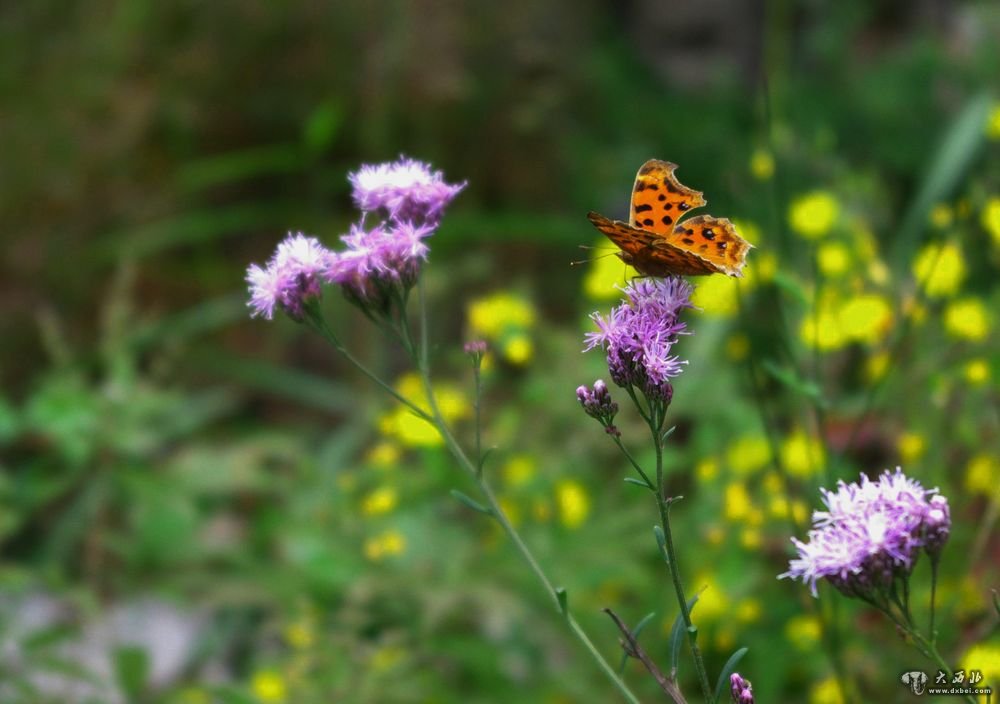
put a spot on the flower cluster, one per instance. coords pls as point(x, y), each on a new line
point(871, 534)
point(597, 404)
point(740, 688)
point(639, 335)
point(379, 264)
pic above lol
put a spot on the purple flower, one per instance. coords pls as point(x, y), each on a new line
point(379, 262)
point(870, 534)
point(740, 688)
point(292, 277)
point(639, 334)
point(405, 190)
point(597, 404)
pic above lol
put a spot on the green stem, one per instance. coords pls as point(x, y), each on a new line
point(635, 465)
point(675, 575)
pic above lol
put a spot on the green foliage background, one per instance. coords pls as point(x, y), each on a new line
point(159, 450)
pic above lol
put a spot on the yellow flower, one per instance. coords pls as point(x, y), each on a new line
point(982, 476)
point(814, 214)
point(748, 610)
point(991, 218)
point(736, 501)
point(605, 273)
point(387, 544)
point(706, 470)
point(761, 164)
point(865, 318)
point(712, 602)
point(801, 454)
point(822, 330)
point(765, 265)
point(493, 315)
point(573, 502)
point(976, 371)
point(876, 366)
point(800, 512)
point(750, 538)
point(984, 657)
point(803, 632)
point(941, 216)
point(413, 431)
point(269, 686)
point(777, 506)
point(833, 258)
point(518, 349)
point(967, 319)
point(383, 455)
point(939, 269)
point(826, 692)
point(300, 634)
point(717, 295)
point(519, 470)
point(993, 122)
point(737, 347)
point(911, 447)
point(381, 500)
point(747, 454)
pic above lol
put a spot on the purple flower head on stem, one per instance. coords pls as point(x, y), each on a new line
point(870, 535)
point(597, 404)
point(740, 688)
point(379, 263)
point(292, 277)
point(639, 334)
point(405, 190)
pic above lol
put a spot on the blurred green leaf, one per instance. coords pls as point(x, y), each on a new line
point(132, 671)
point(322, 127)
point(728, 669)
point(240, 165)
point(677, 632)
point(793, 382)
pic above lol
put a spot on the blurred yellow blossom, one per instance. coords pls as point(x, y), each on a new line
point(403, 425)
point(800, 512)
point(511, 510)
point(877, 365)
point(761, 164)
point(300, 634)
point(801, 454)
point(764, 266)
point(750, 538)
point(822, 330)
point(814, 214)
point(878, 272)
point(736, 501)
point(383, 454)
point(982, 475)
point(269, 687)
point(941, 216)
point(606, 273)
point(194, 695)
point(803, 632)
point(737, 347)
point(939, 269)
point(967, 319)
point(748, 453)
point(777, 506)
point(911, 447)
point(389, 543)
point(865, 318)
point(826, 691)
point(984, 657)
point(748, 610)
point(712, 601)
point(573, 502)
point(976, 371)
point(519, 470)
point(833, 258)
point(993, 122)
point(379, 501)
point(505, 319)
point(772, 483)
point(715, 534)
point(991, 218)
point(718, 295)
point(706, 469)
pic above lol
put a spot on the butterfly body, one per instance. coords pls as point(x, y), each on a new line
point(659, 240)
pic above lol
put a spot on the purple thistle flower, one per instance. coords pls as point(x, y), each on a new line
point(405, 190)
point(378, 262)
point(870, 534)
point(741, 689)
point(639, 334)
point(292, 277)
point(597, 404)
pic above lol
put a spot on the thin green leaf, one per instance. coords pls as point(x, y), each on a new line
point(471, 502)
point(635, 634)
point(791, 380)
point(563, 598)
point(639, 482)
point(727, 670)
point(676, 634)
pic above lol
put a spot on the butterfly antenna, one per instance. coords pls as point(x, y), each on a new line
point(592, 259)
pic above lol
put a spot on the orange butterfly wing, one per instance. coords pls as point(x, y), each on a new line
point(657, 243)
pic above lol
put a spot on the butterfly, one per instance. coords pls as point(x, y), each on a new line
point(657, 242)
